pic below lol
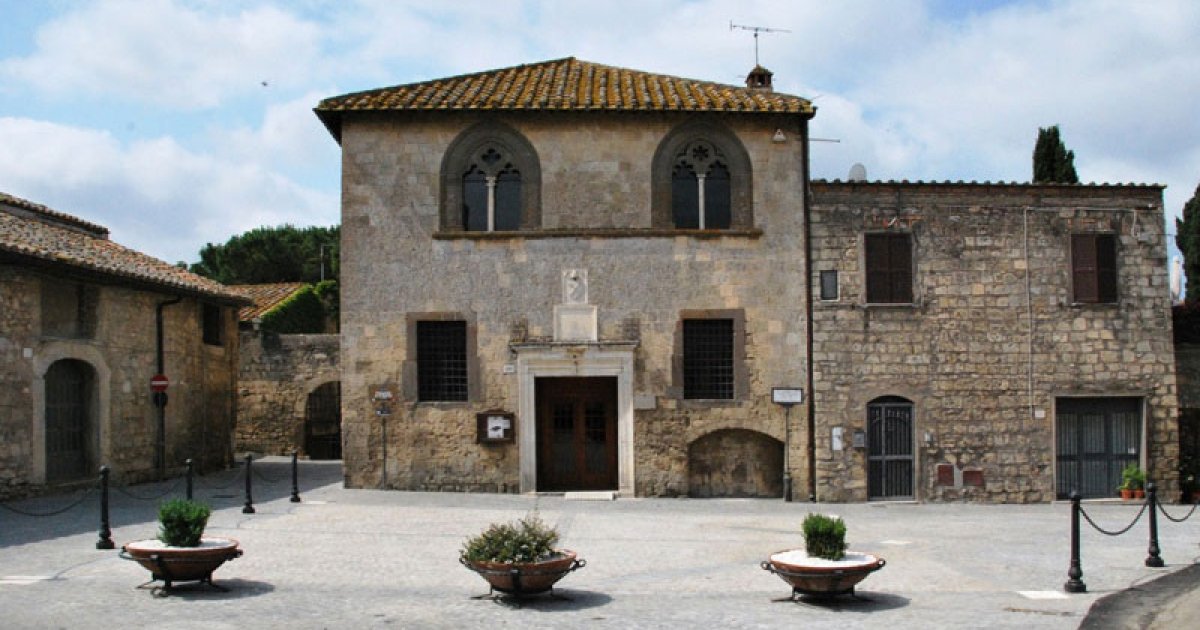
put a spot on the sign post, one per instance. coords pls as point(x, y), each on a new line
point(786, 397)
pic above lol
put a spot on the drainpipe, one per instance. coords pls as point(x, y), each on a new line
point(808, 314)
point(160, 399)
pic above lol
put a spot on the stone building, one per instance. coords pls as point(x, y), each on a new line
point(289, 386)
point(568, 276)
point(84, 325)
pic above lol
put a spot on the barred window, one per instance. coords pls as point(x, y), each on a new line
point(708, 361)
point(1094, 268)
point(442, 361)
point(889, 268)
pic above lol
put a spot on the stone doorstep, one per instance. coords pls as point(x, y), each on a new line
point(593, 495)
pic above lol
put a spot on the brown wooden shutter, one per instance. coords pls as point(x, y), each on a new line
point(900, 263)
point(889, 268)
point(1083, 268)
point(1106, 268)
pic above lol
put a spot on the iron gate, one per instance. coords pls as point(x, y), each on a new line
point(890, 449)
point(1097, 438)
point(323, 422)
point(68, 421)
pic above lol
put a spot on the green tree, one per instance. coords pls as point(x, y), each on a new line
point(1052, 162)
point(1187, 239)
point(273, 254)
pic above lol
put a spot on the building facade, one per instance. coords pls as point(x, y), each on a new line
point(79, 324)
point(568, 276)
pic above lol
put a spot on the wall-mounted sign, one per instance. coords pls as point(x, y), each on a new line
point(787, 395)
point(493, 427)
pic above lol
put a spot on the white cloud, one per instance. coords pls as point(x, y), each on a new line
point(155, 196)
point(162, 52)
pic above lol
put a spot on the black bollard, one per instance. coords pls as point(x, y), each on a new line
point(249, 507)
point(1074, 583)
point(189, 479)
point(105, 541)
point(295, 477)
point(1153, 559)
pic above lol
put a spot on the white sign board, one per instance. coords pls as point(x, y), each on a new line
point(787, 395)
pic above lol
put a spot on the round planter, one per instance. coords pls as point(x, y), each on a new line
point(820, 577)
point(526, 578)
point(182, 564)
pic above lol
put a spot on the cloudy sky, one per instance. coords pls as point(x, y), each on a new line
point(181, 122)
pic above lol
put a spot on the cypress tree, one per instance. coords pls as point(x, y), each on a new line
point(1052, 162)
point(1187, 239)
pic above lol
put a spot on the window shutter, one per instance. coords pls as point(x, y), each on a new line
point(889, 268)
point(877, 265)
point(1106, 268)
point(1083, 267)
point(900, 262)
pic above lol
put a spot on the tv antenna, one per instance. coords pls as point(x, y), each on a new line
point(756, 30)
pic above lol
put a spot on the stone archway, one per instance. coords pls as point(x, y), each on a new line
point(735, 463)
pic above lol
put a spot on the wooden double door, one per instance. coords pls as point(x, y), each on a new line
point(577, 433)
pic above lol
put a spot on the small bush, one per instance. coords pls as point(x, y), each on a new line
point(182, 522)
point(526, 540)
point(824, 537)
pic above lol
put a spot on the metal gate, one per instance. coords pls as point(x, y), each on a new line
point(1096, 439)
point(890, 449)
point(68, 421)
point(323, 422)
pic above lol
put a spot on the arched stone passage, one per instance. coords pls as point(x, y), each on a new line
point(323, 422)
point(735, 463)
point(71, 437)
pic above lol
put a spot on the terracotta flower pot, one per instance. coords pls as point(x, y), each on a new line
point(526, 578)
point(1139, 493)
point(1126, 493)
point(815, 576)
point(182, 564)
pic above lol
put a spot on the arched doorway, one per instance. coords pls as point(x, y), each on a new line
point(323, 422)
point(890, 448)
point(70, 421)
point(735, 463)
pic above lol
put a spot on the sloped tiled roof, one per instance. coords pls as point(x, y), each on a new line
point(566, 84)
point(33, 234)
point(265, 297)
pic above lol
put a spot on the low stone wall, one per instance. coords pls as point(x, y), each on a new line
point(276, 375)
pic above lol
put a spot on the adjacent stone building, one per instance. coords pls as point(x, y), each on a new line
point(84, 325)
point(568, 276)
point(289, 387)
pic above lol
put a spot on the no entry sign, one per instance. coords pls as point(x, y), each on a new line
point(159, 382)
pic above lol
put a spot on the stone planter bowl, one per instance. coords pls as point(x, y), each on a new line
point(822, 577)
point(182, 564)
point(526, 578)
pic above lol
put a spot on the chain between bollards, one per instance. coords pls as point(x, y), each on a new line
point(1153, 559)
point(106, 541)
point(248, 508)
point(189, 479)
point(1075, 572)
point(295, 477)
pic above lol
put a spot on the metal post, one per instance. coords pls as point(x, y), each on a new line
point(1153, 560)
point(189, 478)
point(787, 455)
point(1074, 583)
point(248, 508)
point(295, 477)
point(105, 541)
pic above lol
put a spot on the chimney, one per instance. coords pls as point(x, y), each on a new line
point(759, 79)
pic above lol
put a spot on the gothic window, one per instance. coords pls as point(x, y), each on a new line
point(701, 180)
point(700, 188)
point(491, 181)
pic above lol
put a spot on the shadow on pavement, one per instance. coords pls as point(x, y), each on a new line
point(559, 601)
point(233, 589)
point(859, 602)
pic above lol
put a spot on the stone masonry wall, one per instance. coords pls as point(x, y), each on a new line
point(595, 174)
point(276, 373)
point(992, 339)
point(121, 353)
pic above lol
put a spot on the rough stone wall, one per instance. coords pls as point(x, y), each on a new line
point(1187, 366)
point(121, 353)
point(992, 338)
point(595, 174)
point(276, 373)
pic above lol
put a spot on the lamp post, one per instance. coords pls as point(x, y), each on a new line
point(787, 397)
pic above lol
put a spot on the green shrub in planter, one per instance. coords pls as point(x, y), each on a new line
point(824, 537)
point(526, 540)
point(182, 522)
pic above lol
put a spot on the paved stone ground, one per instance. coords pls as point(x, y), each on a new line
point(362, 558)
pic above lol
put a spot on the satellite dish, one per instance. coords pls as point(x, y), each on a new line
point(858, 173)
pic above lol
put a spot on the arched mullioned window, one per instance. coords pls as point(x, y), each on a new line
point(491, 181)
point(701, 180)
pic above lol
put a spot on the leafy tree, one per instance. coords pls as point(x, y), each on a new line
point(1052, 162)
point(1187, 239)
point(273, 254)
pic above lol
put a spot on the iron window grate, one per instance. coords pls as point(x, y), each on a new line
point(442, 361)
point(708, 359)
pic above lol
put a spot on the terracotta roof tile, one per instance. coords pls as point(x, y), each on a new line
point(33, 233)
point(265, 297)
point(562, 85)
